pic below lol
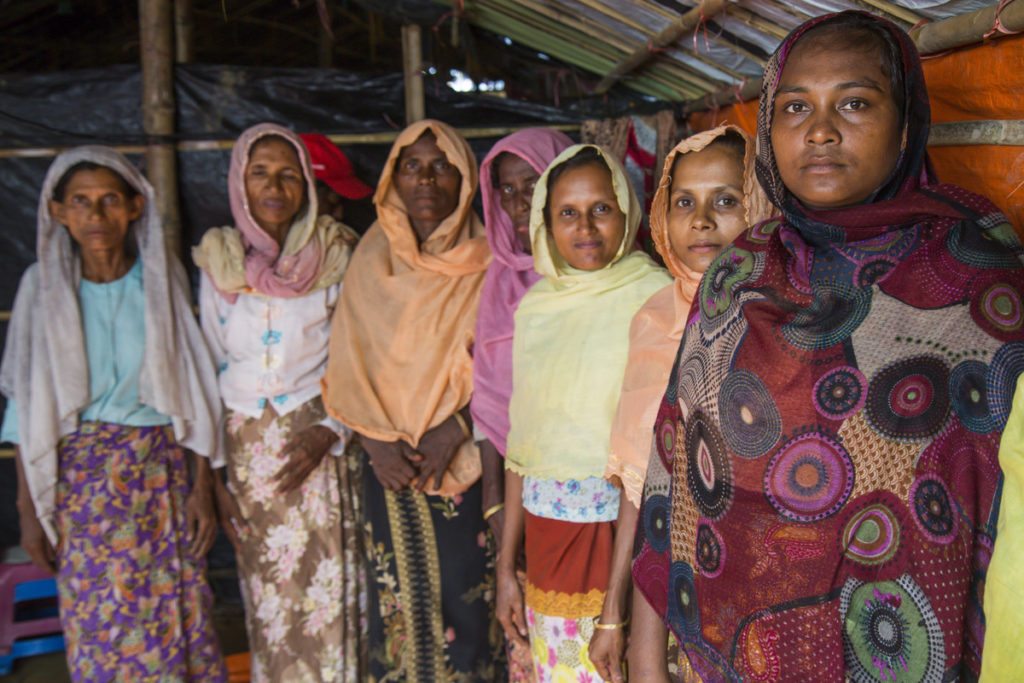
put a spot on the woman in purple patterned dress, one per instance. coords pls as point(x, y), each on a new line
point(108, 381)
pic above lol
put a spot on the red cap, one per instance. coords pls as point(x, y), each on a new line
point(332, 167)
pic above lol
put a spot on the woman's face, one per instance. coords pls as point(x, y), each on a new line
point(97, 210)
point(586, 222)
point(274, 186)
point(516, 180)
point(428, 184)
point(705, 211)
point(835, 126)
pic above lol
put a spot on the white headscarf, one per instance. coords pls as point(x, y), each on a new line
point(45, 370)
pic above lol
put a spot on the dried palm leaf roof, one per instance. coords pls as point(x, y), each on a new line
point(670, 50)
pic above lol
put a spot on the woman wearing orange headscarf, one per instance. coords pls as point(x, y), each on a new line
point(707, 196)
point(400, 374)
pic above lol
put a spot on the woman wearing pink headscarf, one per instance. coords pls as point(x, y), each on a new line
point(269, 287)
point(508, 175)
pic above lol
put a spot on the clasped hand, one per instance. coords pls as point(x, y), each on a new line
point(398, 465)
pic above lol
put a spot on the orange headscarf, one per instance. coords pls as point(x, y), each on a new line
point(657, 328)
point(399, 362)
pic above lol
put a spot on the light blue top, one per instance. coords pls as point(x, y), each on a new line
point(113, 318)
point(591, 499)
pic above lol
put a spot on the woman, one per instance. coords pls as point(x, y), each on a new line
point(400, 374)
point(822, 501)
point(569, 353)
point(510, 172)
point(707, 196)
point(269, 286)
point(108, 381)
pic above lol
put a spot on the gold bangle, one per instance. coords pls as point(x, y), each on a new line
point(493, 510)
point(609, 627)
point(462, 423)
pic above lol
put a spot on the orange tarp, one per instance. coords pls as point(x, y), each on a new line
point(976, 83)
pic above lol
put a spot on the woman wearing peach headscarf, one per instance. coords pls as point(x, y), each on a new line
point(400, 374)
point(707, 196)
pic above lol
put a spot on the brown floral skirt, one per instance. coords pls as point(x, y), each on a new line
point(302, 563)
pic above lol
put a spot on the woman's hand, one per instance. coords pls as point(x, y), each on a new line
point(33, 538)
point(437, 448)
point(230, 515)
point(390, 464)
point(305, 451)
point(200, 512)
point(510, 610)
point(607, 651)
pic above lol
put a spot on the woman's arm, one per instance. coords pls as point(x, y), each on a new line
point(608, 646)
point(510, 609)
point(390, 466)
point(200, 511)
point(494, 488)
point(33, 538)
point(648, 643)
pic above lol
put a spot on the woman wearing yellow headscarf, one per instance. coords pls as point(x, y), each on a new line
point(400, 374)
point(569, 352)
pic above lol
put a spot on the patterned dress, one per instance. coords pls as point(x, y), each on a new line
point(822, 496)
point(431, 615)
point(134, 600)
point(302, 564)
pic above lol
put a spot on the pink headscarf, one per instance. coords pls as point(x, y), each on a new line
point(297, 269)
point(508, 277)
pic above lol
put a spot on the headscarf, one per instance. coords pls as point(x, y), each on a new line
point(657, 328)
point(824, 475)
point(508, 277)
point(45, 370)
point(247, 259)
point(331, 166)
point(571, 342)
point(399, 360)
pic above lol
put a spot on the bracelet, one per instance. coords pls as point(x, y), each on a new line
point(609, 627)
point(493, 510)
point(462, 423)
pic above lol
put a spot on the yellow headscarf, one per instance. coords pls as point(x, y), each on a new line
point(571, 343)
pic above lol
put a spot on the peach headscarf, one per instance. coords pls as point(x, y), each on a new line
point(657, 328)
point(399, 362)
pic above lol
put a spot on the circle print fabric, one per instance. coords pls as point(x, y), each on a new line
point(840, 393)
point(909, 400)
point(750, 421)
point(708, 472)
point(809, 478)
point(892, 633)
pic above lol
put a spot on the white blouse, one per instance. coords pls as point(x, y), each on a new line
point(270, 350)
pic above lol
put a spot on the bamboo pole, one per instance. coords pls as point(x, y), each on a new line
point(999, 132)
point(155, 36)
point(412, 66)
point(665, 37)
point(184, 32)
point(967, 29)
point(380, 138)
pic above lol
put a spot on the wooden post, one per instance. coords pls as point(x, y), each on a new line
point(155, 29)
point(184, 32)
point(412, 66)
point(324, 46)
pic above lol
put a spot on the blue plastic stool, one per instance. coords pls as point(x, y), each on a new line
point(39, 632)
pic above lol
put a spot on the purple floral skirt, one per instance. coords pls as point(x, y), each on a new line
point(134, 601)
